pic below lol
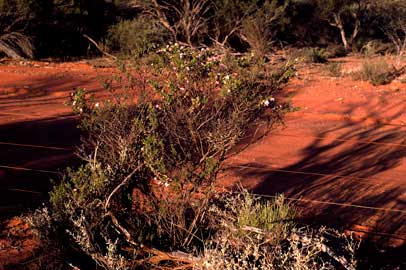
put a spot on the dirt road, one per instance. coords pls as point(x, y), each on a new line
point(37, 130)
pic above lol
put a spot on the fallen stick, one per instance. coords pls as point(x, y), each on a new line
point(98, 47)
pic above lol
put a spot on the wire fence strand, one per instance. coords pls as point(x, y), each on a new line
point(36, 146)
point(28, 169)
point(403, 211)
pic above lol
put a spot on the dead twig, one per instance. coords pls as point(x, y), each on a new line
point(305, 239)
point(106, 205)
point(98, 47)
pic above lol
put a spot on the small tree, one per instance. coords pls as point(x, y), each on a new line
point(15, 17)
point(228, 17)
point(183, 18)
point(343, 15)
point(393, 24)
point(258, 30)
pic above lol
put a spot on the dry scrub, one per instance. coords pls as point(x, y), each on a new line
point(144, 197)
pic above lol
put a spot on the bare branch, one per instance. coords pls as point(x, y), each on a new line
point(98, 47)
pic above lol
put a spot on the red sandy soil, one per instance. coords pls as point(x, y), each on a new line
point(38, 90)
point(17, 243)
point(37, 131)
point(346, 143)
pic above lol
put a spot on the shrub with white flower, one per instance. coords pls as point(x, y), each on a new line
point(147, 165)
point(268, 102)
point(78, 101)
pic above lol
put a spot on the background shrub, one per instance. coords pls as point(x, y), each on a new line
point(58, 29)
point(137, 37)
point(16, 45)
point(315, 55)
point(377, 47)
point(334, 51)
point(378, 72)
point(333, 69)
point(392, 22)
point(259, 29)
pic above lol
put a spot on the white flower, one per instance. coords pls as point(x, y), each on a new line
point(182, 88)
point(187, 68)
point(228, 91)
point(156, 181)
point(227, 77)
point(157, 106)
point(97, 105)
point(266, 103)
point(166, 184)
point(272, 99)
point(74, 103)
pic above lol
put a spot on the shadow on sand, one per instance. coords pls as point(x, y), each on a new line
point(21, 190)
point(360, 162)
point(351, 163)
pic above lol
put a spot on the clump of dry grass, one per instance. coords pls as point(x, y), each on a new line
point(333, 69)
point(16, 45)
point(315, 55)
point(378, 72)
point(257, 234)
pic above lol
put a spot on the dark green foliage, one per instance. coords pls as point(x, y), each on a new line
point(56, 27)
point(392, 21)
point(137, 37)
point(15, 18)
point(260, 28)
